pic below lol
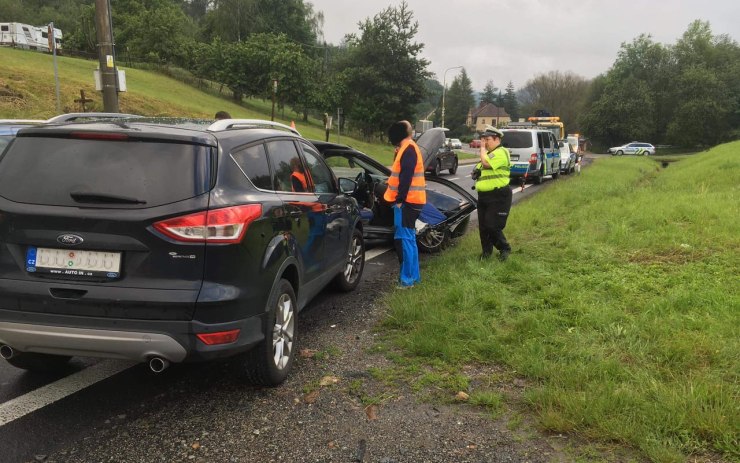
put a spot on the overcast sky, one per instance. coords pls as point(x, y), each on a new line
point(516, 40)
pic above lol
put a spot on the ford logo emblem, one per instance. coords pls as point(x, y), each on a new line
point(69, 239)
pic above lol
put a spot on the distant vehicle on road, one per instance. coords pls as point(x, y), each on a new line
point(474, 143)
point(9, 127)
point(455, 144)
point(568, 157)
point(635, 147)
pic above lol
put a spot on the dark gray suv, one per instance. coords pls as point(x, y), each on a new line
point(168, 241)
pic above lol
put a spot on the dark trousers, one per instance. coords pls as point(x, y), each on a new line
point(493, 211)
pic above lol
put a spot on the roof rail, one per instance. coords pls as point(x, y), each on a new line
point(69, 117)
point(224, 124)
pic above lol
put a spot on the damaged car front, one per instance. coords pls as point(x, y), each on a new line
point(445, 216)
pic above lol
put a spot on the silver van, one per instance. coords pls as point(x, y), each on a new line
point(534, 154)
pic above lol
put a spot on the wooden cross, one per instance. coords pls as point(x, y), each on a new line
point(82, 100)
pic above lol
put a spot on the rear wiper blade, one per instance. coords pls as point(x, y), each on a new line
point(103, 198)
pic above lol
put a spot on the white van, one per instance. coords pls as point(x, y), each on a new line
point(534, 153)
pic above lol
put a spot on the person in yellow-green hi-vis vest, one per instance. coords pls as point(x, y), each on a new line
point(491, 177)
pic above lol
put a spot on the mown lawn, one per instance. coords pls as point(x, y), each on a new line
point(620, 307)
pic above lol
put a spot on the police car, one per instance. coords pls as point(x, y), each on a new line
point(635, 147)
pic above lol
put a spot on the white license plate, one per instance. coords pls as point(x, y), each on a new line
point(73, 262)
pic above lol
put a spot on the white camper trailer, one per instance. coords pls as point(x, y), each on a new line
point(27, 37)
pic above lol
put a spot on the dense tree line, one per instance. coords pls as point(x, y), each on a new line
point(687, 94)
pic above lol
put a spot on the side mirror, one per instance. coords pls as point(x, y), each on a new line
point(347, 186)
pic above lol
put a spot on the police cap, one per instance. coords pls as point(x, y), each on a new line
point(491, 131)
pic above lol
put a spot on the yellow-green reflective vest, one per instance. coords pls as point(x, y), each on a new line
point(497, 175)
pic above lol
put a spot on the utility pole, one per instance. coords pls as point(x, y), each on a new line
point(106, 55)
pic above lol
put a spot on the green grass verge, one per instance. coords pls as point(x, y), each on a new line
point(27, 91)
point(620, 305)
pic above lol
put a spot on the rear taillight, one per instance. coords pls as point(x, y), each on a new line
point(533, 158)
point(226, 225)
point(220, 337)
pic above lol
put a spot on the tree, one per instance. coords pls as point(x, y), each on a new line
point(384, 74)
point(152, 30)
point(510, 102)
point(562, 94)
point(490, 93)
point(685, 94)
point(459, 101)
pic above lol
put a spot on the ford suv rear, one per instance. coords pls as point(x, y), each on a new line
point(167, 242)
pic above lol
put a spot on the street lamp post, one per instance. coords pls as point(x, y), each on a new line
point(444, 88)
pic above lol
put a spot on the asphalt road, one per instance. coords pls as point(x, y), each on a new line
point(40, 414)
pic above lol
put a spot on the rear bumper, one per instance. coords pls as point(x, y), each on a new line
point(520, 169)
point(137, 340)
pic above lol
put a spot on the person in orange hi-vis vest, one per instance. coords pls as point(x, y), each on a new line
point(406, 193)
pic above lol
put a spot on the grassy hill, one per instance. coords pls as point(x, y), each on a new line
point(27, 91)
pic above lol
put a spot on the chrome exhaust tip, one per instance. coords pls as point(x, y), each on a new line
point(158, 364)
point(6, 352)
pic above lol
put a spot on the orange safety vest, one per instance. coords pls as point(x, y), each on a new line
point(417, 191)
point(301, 179)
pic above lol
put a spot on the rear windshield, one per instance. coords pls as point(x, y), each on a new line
point(113, 173)
point(517, 140)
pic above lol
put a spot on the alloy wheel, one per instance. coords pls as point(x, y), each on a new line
point(354, 261)
point(283, 331)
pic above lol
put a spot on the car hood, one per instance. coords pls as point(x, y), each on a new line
point(429, 143)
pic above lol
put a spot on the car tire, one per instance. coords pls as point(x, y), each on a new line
point(453, 169)
point(269, 363)
point(348, 279)
point(619, 153)
point(539, 178)
point(437, 168)
point(432, 240)
point(39, 363)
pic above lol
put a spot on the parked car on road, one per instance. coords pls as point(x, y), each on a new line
point(448, 209)
point(445, 159)
point(568, 157)
point(534, 154)
point(475, 143)
point(455, 144)
point(168, 241)
point(9, 127)
point(635, 147)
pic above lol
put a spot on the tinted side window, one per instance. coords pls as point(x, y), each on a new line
point(320, 174)
point(290, 174)
point(253, 162)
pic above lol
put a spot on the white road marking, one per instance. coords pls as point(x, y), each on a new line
point(58, 390)
point(373, 253)
point(52, 392)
